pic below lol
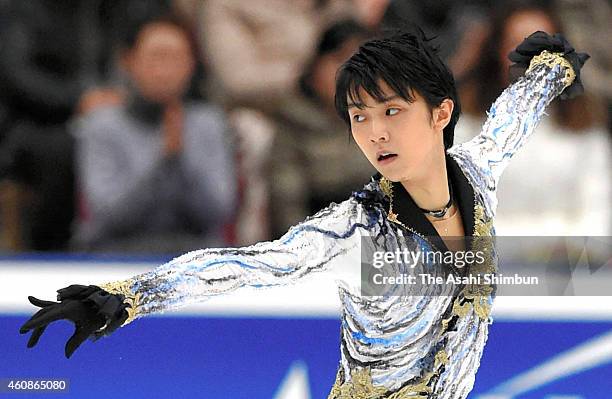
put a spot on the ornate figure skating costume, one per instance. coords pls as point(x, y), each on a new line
point(392, 346)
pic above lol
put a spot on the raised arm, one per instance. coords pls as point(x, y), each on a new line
point(330, 237)
point(551, 69)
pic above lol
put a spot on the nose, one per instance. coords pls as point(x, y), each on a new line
point(379, 132)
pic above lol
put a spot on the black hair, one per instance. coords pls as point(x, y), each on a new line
point(130, 35)
point(408, 63)
point(339, 33)
point(132, 31)
point(332, 40)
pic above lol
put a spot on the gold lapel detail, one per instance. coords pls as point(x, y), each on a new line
point(386, 186)
point(477, 296)
point(361, 386)
point(482, 224)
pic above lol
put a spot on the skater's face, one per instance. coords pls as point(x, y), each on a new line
point(412, 132)
point(161, 63)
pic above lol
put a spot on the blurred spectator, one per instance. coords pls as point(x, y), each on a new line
point(585, 20)
point(370, 12)
point(560, 182)
point(51, 52)
point(313, 161)
point(41, 66)
point(257, 49)
point(256, 52)
point(155, 174)
point(254, 136)
point(459, 26)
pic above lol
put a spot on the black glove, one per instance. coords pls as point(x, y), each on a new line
point(90, 308)
point(540, 41)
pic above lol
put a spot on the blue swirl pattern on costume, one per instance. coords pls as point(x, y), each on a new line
point(426, 345)
point(511, 121)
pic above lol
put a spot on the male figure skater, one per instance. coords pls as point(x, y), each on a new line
point(400, 102)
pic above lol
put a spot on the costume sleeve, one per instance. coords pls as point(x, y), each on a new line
point(317, 243)
point(511, 120)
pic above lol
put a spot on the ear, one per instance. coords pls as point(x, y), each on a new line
point(442, 114)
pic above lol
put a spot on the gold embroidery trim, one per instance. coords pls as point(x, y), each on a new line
point(123, 288)
point(361, 386)
point(386, 187)
point(472, 296)
point(551, 59)
point(478, 295)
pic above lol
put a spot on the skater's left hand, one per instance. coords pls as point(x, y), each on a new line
point(540, 41)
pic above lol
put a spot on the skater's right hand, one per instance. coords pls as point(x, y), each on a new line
point(540, 41)
point(93, 311)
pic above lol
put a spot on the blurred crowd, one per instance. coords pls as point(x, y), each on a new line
point(160, 126)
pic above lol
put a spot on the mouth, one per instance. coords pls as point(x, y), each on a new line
point(385, 157)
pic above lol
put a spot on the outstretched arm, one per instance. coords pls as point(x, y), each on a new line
point(321, 241)
point(514, 115)
point(310, 246)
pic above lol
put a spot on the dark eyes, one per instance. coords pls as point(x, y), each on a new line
point(388, 112)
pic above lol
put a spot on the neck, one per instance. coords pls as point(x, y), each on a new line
point(430, 191)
